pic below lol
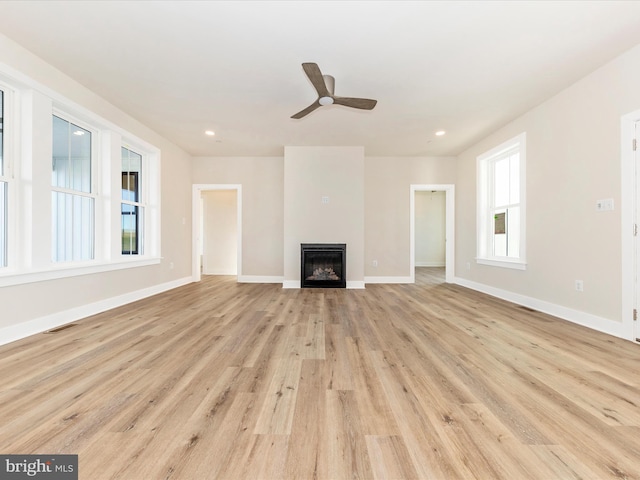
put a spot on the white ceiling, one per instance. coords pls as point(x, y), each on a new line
point(182, 67)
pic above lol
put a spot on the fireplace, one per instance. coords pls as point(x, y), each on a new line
point(323, 265)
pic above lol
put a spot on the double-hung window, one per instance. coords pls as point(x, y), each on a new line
point(78, 194)
point(501, 205)
point(72, 197)
point(132, 206)
point(4, 184)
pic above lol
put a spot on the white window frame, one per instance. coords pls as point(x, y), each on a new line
point(4, 179)
point(29, 256)
point(485, 188)
point(149, 199)
point(141, 203)
point(92, 194)
point(11, 120)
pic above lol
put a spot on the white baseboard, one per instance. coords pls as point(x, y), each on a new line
point(42, 324)
point(355, 284)
point(259, 279)
point(601, 324)
point(430, 264)
point(388, 280)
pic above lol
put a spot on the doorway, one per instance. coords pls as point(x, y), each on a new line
point(430, 236)
point(630, 214)
point(217, 230)
point(636, 220)
point(432, 228)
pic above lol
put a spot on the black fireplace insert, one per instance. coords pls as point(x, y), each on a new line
point(323, 265)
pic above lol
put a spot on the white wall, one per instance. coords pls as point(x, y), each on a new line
point(573, 160)
point(430, 229)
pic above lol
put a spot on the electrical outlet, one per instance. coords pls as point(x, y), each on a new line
point(375, 263)
point(579, 286)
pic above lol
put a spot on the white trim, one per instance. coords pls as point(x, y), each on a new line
point(389, 279)
point(30, 258)
point(449, 190)
point(64, 270)
point(430, 264)
point(198, 188)
point(11, 144)
point(42, 324)
point(483, 235)
point(355, 284)
point(514, 264)
point(627, 220)
point(594, 322)
point(291, 284)
point(260, 279)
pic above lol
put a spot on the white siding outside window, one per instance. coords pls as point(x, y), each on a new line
point(72, 197)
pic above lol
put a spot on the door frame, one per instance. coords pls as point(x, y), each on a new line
point(629, 218)
point(196, 231)
point(449, 190)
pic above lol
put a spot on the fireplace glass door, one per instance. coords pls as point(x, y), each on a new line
point(323, 265)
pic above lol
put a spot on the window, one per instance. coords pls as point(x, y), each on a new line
point(3, 190)
point(72, 198)
point(501, 212)
point(132, 206)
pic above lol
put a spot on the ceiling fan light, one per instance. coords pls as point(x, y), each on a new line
point(325, 101)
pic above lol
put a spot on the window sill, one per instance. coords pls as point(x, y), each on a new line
point(513, 264)
point(10, 277)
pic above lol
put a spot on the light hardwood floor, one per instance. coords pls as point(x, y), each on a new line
point(219, 380)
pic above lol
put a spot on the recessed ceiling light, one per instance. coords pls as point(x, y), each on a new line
point(439, 133)
point(211, 133)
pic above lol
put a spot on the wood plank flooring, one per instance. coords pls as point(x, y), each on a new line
point(219, 380)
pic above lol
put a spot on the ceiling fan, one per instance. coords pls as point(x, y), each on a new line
point(324, 85)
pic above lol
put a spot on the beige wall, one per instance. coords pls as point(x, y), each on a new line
point(220, 236)
point(385, 212)
point(262, 180)
point(52, 300)
point(430, 229)
point(388, 183)
point(573, 160)
point(310, 174)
